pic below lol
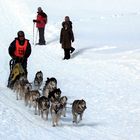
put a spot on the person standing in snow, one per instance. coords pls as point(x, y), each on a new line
point(66, 38)
point(20, 50)
point(41, 21)
point(67, 19)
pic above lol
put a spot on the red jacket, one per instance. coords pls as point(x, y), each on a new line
point(41, 20)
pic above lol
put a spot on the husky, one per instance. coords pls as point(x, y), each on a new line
point(19, 86)
point(31, 98)
point(28, 88)
point(38, 80)
point(63, 103)
point(49, 86)
point(54, 95)
point(43, 106)
point(78, 108)
point(55, 110)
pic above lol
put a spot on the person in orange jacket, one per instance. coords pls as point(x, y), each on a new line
point(20, 50)
point(41, 21)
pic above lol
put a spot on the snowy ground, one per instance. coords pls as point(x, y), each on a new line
point(104, 70)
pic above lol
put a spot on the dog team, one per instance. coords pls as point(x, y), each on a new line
point(48, 99)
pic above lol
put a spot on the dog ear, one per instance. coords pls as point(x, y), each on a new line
point(59, 90)
point(66, 97)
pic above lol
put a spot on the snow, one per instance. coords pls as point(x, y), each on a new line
point(103, 70)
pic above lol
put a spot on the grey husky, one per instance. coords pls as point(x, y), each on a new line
point(38, 80)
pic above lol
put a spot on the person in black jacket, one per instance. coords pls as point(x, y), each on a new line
point(20, 50)
point(66, 39)
point(67, 20)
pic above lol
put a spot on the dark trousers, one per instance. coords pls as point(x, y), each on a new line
point(41, 36)
point(66, 53)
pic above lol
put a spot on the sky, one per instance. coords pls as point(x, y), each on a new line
point(103, 70)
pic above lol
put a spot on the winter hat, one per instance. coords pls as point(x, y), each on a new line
point(39, 9)
point(67, 18)
point(20, 34)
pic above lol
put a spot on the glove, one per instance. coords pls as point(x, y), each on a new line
point(34, 20)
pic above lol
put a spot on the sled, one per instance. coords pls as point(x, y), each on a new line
point(16, 70)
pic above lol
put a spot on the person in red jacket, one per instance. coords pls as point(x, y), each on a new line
point(20, 50)
point(41, 21)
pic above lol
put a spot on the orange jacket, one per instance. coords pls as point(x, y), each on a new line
point(20, 49)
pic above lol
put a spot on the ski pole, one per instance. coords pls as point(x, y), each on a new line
point(33, 31)
point(36, 37)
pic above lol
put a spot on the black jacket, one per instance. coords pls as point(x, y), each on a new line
point(69, 23)
point(12, 48)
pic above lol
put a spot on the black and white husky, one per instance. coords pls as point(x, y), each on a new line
point(38, 80)
point(50, 85)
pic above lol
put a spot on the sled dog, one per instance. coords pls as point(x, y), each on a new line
point(49, 86)
point(30, 98)
point(38, 80)
point(43, 106)
point(55, 112)
point(28, 88)
point(78, 108)
point(54, 95)
point(63, 103)
point(19, 86)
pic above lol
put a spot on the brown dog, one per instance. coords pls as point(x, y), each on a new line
point(78, 108)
